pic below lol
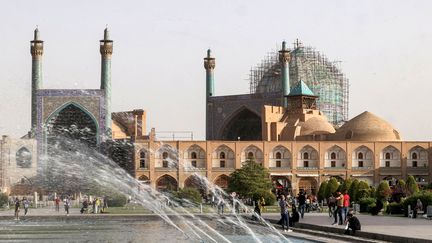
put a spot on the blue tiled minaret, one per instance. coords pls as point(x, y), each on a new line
point(36, 50)
point(209, 65)
point(106, 50)
point(284, 58)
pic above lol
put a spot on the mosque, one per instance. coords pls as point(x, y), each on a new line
point(289, 134)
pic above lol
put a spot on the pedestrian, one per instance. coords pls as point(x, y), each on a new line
point(17, 208)
point(84, 206)
point(261, 205)
point(284, 205)
point(221, 205)
point(295, 217)
point(339, 209)
point(418, 207)
point(353, 224)
point(302, 203)
point(57, 204)
point(331, 205)
point(105, 204)
point(346, 203)
point(26, 205)
point(67, 204)
point(97, 204)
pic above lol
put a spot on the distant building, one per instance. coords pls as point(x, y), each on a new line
point(238, 117)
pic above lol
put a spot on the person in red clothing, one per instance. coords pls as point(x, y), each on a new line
point(57, 204)
point(346, 203)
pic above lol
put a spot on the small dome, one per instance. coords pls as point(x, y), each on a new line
point(367, 127)
point(316, 126)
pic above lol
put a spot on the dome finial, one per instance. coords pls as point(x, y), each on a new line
point(36, 33)
point(106, 33)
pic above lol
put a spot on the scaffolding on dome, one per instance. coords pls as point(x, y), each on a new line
point(323, 77)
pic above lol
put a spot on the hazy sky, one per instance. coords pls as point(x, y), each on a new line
point(384, 46)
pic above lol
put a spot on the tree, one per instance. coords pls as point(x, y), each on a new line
point(346, 185)
point(322, 190)
point(383, 191)
point(411, 185)
point(352, 191)
point(252, 180)
point(399, 191)
point(331, 187)
point(362, 190)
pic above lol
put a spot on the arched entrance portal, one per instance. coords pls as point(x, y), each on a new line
point(308, 185)
point(222, 181)
point(281, 184)
point(72, 122)
point(195, 182)
point(245, 125)
point(166, 183)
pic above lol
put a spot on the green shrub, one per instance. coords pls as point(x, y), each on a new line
point(394, 208)
point(424, 196)
point(331, 187)
point(366, 204)
point(383, 192)
point(268, 196)
point(3, 199)
point(352, 191)
point(116, 200)
point(321, 191)
point(189, 194)
point(411, 185)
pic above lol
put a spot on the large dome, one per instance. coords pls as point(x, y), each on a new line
point(367, 127)
point(316, 126)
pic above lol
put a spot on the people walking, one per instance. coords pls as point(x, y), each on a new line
point(84, 206)
point(26, 205)
point(339, 209)
point(220, 206)
point(302, 203)
point(105, 204)
point(284, 205)
point(67, 204)
point(17, 208)
point(57, 204)
point(346, 204)
point(331, 202)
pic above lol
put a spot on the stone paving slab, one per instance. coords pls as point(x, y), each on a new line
point(419, 228)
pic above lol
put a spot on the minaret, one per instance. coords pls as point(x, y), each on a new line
point(284, 58)
point(106, 50)
point(36, 50)
point(209, 65)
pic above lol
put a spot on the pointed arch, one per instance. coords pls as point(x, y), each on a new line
point(194, 157)
point(417, 157)
point(252, 152)
point(166, 183)
point(23, 158)
point(280, 157)
point(390, 157)
point(335, 156)
point(362, 157)
point(73, 121)
point(308, 157)
point(143, 158)
point(244, 123)
point(166, 157)
point(222, 181)
point(223, 157)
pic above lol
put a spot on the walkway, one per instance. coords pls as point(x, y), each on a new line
point(419, 228)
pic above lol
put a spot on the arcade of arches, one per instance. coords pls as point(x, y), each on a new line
point(292, 165)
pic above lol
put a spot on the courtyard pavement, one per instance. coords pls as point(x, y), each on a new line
point(388, 225)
